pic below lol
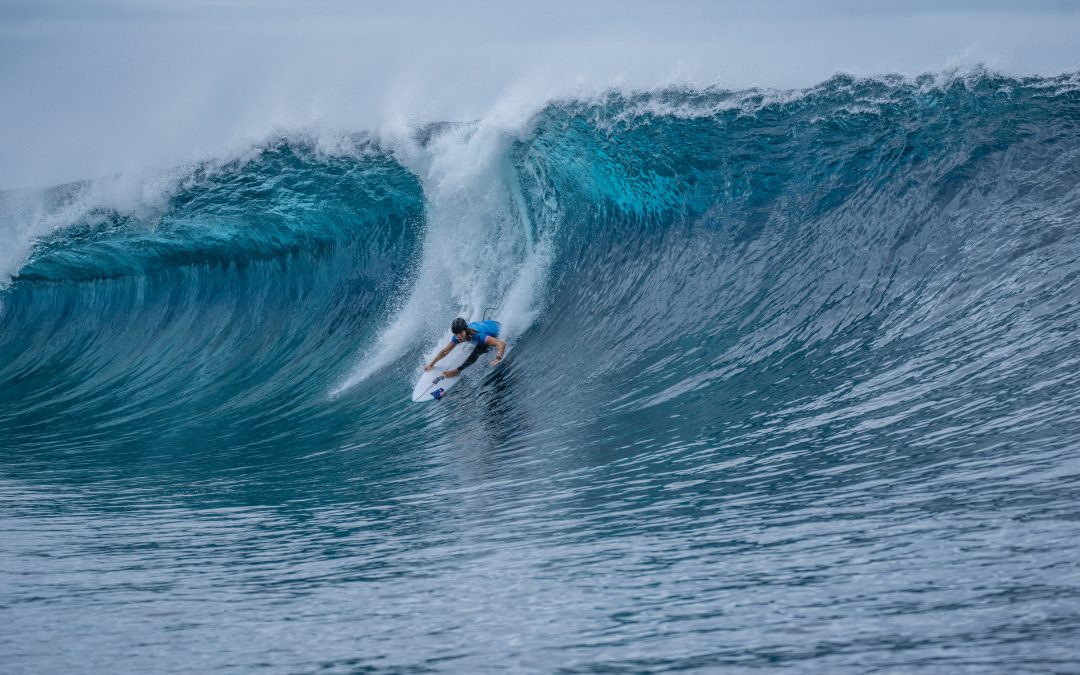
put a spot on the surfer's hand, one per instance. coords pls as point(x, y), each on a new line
point(451, 373)
point(428, 367)
point(496, 361)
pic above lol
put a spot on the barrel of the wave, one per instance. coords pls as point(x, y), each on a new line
point(459, 353)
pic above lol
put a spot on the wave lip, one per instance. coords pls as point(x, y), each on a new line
point(285, 198)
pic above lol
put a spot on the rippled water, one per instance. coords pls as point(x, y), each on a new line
point(792, 385)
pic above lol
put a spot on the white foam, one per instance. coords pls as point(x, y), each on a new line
point(480, 248)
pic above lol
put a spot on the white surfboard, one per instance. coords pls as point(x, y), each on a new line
point(433, 384)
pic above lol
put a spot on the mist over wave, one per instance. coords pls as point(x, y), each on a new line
point(801, 359)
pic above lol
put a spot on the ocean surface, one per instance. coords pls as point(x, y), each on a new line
point(793, 385)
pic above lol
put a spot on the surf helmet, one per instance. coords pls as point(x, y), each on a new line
point(458, 325)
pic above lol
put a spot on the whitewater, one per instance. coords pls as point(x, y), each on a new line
point(793, 385)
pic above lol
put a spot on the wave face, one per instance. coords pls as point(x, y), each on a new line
point(793, 382)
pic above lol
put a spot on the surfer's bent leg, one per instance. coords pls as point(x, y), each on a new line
point(476, 352)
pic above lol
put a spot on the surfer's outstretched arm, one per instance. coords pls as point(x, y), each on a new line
point(500, 346)
point(445, 350)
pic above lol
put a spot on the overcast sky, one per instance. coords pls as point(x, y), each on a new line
point(93, 87)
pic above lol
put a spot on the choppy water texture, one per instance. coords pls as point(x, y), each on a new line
point(793, 384)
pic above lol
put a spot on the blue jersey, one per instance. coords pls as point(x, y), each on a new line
point(484, 329)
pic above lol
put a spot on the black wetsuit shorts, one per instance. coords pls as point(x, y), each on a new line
point(476, 352)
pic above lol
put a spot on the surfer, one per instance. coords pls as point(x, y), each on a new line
point(481, 333)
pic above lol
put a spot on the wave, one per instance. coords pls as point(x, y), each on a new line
point(726, 232)
point(867, 251)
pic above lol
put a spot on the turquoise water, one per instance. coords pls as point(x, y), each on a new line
point(792, 385)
